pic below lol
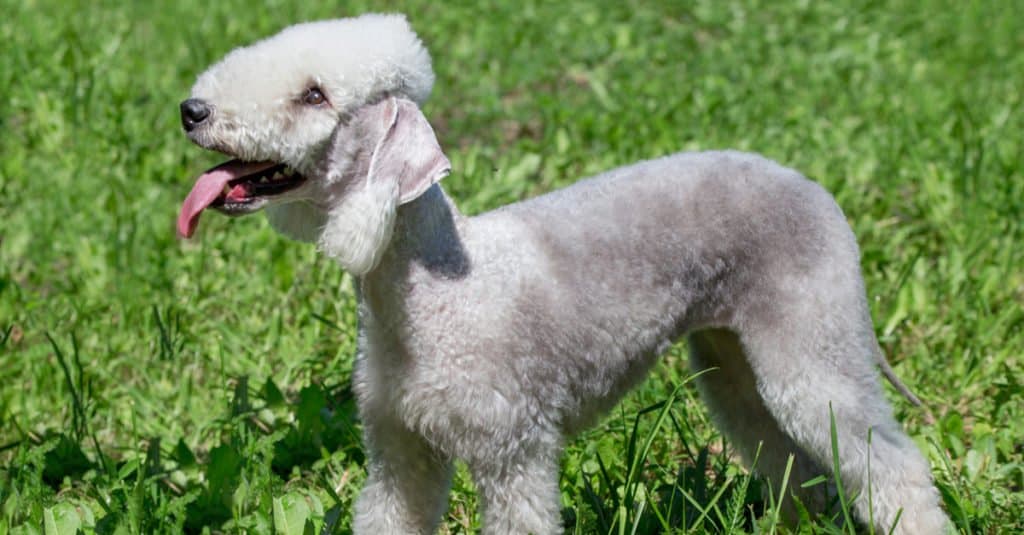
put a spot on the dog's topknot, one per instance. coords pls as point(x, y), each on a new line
point(355, 60)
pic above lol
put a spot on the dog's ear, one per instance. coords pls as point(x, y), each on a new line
point(408, 152)
point(404, 161)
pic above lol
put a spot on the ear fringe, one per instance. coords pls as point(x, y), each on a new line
point(359, 229)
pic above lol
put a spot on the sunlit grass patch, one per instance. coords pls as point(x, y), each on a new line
point(153, 385)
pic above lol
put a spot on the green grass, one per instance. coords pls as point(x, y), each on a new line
point(152, 385)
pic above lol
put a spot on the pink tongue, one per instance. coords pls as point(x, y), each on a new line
point(209, 187)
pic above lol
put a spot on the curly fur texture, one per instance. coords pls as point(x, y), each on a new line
point(493, 338)
point(256, 115)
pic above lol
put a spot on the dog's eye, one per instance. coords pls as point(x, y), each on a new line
point(313, 97)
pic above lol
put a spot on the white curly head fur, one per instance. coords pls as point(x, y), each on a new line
point(253, 90)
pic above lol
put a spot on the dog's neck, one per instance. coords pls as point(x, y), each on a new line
point(425, 242)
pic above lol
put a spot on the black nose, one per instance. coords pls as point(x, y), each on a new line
point(193, 113)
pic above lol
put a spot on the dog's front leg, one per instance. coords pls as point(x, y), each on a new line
point(406, 489)
point(519, 493)
point(407, 480)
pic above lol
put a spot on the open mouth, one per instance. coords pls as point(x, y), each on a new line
point(235, 188)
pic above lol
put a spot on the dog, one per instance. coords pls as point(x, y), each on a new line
point(493, 338)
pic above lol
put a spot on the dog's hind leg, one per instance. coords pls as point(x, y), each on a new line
point(814, 364)
point(406, 489)
point(729, 389)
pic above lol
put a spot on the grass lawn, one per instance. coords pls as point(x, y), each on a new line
point(149, 384)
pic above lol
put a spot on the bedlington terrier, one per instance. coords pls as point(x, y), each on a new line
point(493, 338)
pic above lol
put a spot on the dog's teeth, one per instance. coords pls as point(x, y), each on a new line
point(289, 171)
point(278, 176)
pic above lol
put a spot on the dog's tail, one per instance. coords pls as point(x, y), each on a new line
point(894, 380)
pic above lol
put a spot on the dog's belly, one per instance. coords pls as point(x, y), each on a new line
point(594, 346)
point(598, 390)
